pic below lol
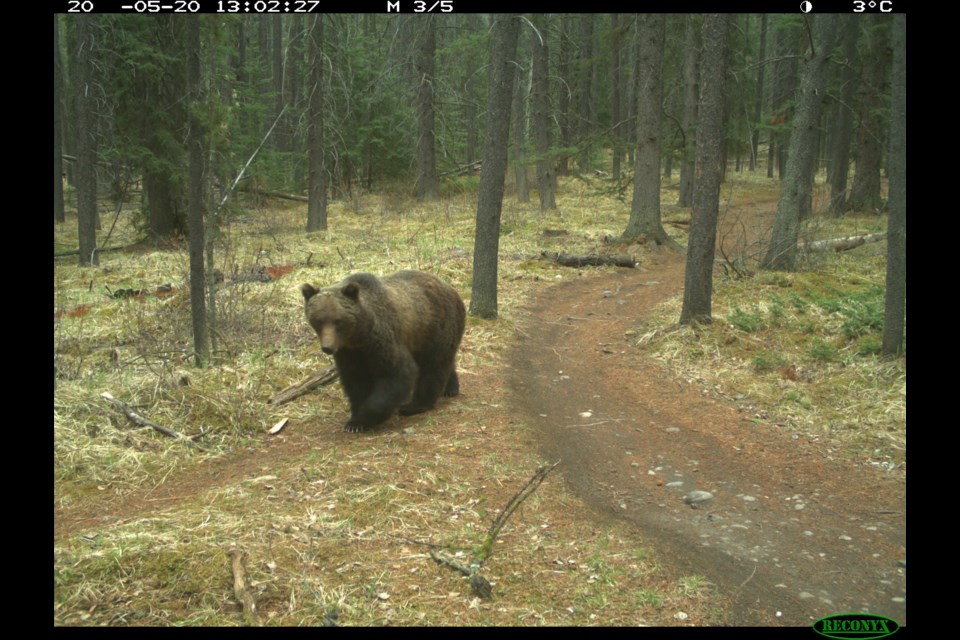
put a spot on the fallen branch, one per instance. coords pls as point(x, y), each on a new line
point(136, 418)
point(275, 194)
point(844, 244)
point(305, 386)
point(76, 252)
point(240, 591)
point(472, 168)
point(570, 260)
point(480, 584)
point(486, 549)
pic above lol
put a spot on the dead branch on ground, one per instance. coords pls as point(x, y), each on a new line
point(305, 386)
point(136, 418)
point(593, 260)
point(240, 590)
point(480, 584)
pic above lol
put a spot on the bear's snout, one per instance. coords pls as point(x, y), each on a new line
point(329, 342)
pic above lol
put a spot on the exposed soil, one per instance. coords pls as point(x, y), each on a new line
point(792, 534)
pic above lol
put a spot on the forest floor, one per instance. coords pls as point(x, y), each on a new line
point(792, 533)
point(796, 529)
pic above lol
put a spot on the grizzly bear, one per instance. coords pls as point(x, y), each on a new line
point(394, 341)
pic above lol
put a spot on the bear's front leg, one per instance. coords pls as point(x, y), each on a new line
point(387, 396)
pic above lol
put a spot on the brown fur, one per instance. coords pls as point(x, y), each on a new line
point(394, 340)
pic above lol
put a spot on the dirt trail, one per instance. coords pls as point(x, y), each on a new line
point(791, 534)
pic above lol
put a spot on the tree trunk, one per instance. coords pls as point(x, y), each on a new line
point(427, 185)
point(483, 300)
point(564, 120)
point(758, 99)
point(645, 212)
point(865, 192)
point(276, 28)
point(616, 100)
point(546, 175)
point(711, 131)
point(895, 306)
point(784, 86)
point(470, 99)
point(519, 129)
point(58, 210)
point(842, 122)
point(294, 77)
point(198, 303)
point(87, 135)
point(162, 175)
point(585, 87)
point(316, 178)
point(691, 84)
point(798, 179)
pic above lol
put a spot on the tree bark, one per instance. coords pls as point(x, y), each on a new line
point(895, 304)
point(198, 299)
point(645, 212)
point(546, 174)
point(711, 130)
point(585, 77)
point(316, 177)
point(842, 122)
point(798, 179)
point(58, 210)
point(564, 121)
point(758, 98)
point(616, 100)
point(784, 85)
point(470, 99)
point(87, 137)
point(483, 301)
point(865, 192)
point(691, 88)
point(519, 129)
point(276, 57)
point(427, 184)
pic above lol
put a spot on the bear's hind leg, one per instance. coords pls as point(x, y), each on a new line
point(453, 385)
point(429, 387)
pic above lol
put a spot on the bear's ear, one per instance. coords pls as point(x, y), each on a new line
point(352, 290)
point(308, 291)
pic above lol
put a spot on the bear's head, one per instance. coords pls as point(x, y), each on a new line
point(333, 313)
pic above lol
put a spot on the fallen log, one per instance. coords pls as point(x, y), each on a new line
point(844, 244)
point(305, 386)
point(275, 194)
point(570, 260)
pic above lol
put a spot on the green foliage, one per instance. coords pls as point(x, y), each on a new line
point(746, 321)
point(837, 321)
point(766, 361)
point(823, 351)
point(861, 311)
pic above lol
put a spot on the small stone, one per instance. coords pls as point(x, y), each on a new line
point(697, 497)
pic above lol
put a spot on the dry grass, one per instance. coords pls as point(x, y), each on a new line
point(341, 527)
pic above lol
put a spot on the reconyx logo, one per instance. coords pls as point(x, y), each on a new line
point(863, 626)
